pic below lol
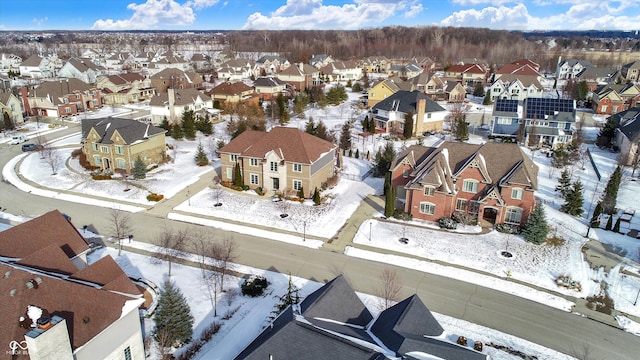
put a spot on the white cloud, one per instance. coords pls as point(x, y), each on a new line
point(313, 14)
point(40, 21)
point(414, 10)
point(492, 17)
point(153, 12)
point(481, 2)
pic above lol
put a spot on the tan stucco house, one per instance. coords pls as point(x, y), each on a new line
point(282, 160)
point(113, 145)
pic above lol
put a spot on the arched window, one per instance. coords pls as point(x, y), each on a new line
point(513, 215)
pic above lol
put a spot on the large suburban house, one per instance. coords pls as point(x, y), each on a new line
point(514, 87)
point(520, 68)
point(341, 71)
point(37, 67)
point(467, 74)
point(61, 98)
point(176, 79)
point(333, 323)
point(55, 305)
point(506, 121)
point(613, 98)
point(386, 88)
point(81, 69)
point(631, 72)
point(269, 87)
point(235, 70)
point(281, 160)
point(173, 103)
point(627, 137)
point(491, 183)
point(125, 88)
point(11, 108)
point(113, 144)
point(570, 68)
point(389, 114)
point(231, 92)
point(300, 76)
point(271, 64)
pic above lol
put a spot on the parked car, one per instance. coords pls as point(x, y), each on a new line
point(17, 139)
point(32, 147)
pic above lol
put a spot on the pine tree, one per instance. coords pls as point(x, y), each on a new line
point(407, 130)
point(165, 124)
point(176, 132)
point(139, 168)
point(201, 158)
point(350, 153)
point(173, 319)
point(384, 158)
point(237, 176)
point(345, 136)
point(462, 129)
point(487, 98)
point(316, 197)
point(389, 203)
point(610, 195)
point(365, 124)
point(478, 90)
point(189, 125)
point(310, 128)
point(616, 227)
point(387, 183)
point(609, 223)
point(564, 183)
point(292, 297)
point(357, 155)
point(595, 222)
point(536, 229)
point(301, 193)
point(321, 131)
point(204, 125)
point(372, 126)
point(573, 200)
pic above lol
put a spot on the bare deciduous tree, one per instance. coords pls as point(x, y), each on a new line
point(390, 286)
point(171, 244)
point(224, 255)
point(120, 226)
point(51, 157)
point(217, 192)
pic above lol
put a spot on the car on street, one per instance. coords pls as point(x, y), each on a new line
point(31, 147)
point(17, 139)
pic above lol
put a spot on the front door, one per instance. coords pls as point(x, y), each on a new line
point(489, 214)
point(276, 183)
point(106, 164)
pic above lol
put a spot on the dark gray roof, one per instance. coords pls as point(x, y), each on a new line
point(130, 130)
point(552, 109)
point(268, 81)
point(629, 121)
point(406, 101)
point(506, 108)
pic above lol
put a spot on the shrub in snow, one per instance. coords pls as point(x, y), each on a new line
point(254, 286)
point(447, 223)
point(508, 229)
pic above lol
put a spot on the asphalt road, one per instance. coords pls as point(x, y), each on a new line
point(562, 331)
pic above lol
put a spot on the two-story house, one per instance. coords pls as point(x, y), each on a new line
point(386, 88)
point(506, 119)
point(113, 144)
point(271, 64)
point(389, 114)
point(269, 87)
point(61, 98)
point(235, 70)
point(281, 160)
point(172, 104)
point(614, 98)
point(514, 87)
point(375, 64)
point(175, 79)
point(631, 71)
point(405, 71)
point(59, 306)
point(321, 60)
point(570, 68)
point(10, 62)
point(125, 88)
point(549, 121)
point(520, 68)
point(11, 108)
point(491, 183)
point(467, 74)
point(81, 69)
point(627, 137)
point(37, 67)
point(341, 71)
point(231, 93)
point(300, 76)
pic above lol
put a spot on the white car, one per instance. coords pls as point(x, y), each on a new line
point(17, 139)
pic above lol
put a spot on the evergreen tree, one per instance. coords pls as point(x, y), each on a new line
point(610, 195)
point(237, 176)
point(387, 183)
point(389, 201)
point(189, 125)
point(176, 132)
point(372, 126)
point(536, 229)
point(357, 155)
point(607, 132)
point(596, 214)
point(350, 153)
point(321, 131)
point(573, 200)
point(8, 123)
point(616, 227)
point(316, 197)
point(201, 157)
point(478, 90)
point(283, 109)
point(384, 158)
point(165, 124)
point(609, 223)
point(564, 183)
point(300, 102)
point(310, 127)
point(462, 129)
point(365, 124)
point(203, 124)
point(487, 98)
point(407, 130)
point(173, 319)
point(292, 297)
point(356, 87)
point(345, 136)
point(139, 168)
point(301, 193)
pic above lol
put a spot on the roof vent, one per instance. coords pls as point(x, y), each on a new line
point(13, 292)
point(6, 275)
point(29, 284)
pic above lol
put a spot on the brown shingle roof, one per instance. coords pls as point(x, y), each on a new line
point(228, 88)
point(291, 144)
point(182, 97)
point(107, 272)
point(50, 228)
point(127, 78)
point(50, 258)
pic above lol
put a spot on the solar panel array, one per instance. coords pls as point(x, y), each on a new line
point(506, 105)
point(537, 108)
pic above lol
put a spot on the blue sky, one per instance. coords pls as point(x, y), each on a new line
point(316, 14)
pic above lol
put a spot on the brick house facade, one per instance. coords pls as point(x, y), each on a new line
point(282, 160)
point(493, 183)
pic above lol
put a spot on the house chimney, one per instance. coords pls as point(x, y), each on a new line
point(421, 107)
point(172, 102)
point(24, 95)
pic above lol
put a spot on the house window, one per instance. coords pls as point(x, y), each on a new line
point(427, 208)
point(474, 207)
point(255, 179)
point(94, 146)
point(253, 162)
point(67, 110)
point(428, 115)
point(229, 173)
point(297, 167)
point(121, 164)
point(104, 149)
point(127, 353)
point(119, 150)
point(429, 190)
point(233, 158)
point(96, 160)
point(504, 121)
point(405, 173)
point(461, 205)
point(517, 193)
point(95, 102)
point(273, 166)
point(513, 215)
point(470, 186)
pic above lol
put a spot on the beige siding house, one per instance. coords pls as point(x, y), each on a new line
point(282, 160)
point(113, 145)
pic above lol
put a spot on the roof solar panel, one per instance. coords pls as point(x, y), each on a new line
point(506, 105)
point(537, 108)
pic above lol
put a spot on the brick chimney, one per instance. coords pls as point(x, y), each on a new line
point(421, 107)
point(24, 96)
point(171, 93)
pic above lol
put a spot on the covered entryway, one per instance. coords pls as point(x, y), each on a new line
point(489, 215)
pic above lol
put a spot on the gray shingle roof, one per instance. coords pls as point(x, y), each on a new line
point(130, 130)
point(629, 121)
point(406, 101)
